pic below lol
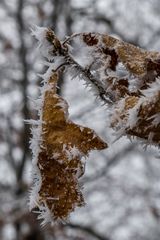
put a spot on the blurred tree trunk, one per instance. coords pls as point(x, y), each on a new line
point(61, 22)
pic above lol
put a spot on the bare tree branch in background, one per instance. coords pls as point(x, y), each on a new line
point(24, 85)
point(88, 230)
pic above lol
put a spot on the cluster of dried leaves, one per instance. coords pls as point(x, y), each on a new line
point(134, 100)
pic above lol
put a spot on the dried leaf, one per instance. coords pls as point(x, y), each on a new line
point(63, 145)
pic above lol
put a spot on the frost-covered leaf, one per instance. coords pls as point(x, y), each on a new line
point(62, 144)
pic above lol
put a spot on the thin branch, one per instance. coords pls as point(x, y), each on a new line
point(88, 230)
point(62, 50)
point(110, 163)
point(25, 110)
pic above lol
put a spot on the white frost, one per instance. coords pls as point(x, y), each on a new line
point(71, 152)
point(45, 215)
point(133, 116)
point(45, 47)
point(156, 119)
point(152, 90)
point(34, 192)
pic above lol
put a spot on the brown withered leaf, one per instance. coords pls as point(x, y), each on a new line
point(143, 65)
point(134, 58)
point(112, 55)
point(145, 127)
point(133, 114)
point(64, 143)
point(144, 114)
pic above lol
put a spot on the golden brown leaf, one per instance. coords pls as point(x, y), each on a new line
point(63, 145)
